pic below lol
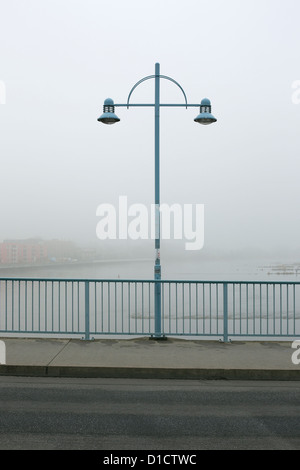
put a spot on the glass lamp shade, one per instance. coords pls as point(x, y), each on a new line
point(205, 117)
point(108, 116)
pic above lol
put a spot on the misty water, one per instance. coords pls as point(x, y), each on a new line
point(129, 307)
point(224, 269)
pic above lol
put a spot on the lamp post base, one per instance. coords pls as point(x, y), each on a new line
point(158, 338)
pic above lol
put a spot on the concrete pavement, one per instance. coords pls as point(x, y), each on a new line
point(142, 358)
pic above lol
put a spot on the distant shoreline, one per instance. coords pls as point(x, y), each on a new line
point(72, 263)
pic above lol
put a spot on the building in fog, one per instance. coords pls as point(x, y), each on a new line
point(38, 251)
point(61, 250)
point(29, 251)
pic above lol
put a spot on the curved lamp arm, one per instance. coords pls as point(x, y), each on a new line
point(153, 76)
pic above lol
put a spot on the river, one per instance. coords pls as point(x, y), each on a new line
point(205, 270)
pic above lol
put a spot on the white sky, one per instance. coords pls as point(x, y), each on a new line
point(59, 60)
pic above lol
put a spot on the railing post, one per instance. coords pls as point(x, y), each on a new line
point(86, 310)
point(225, 312)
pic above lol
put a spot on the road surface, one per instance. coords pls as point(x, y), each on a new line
point(127, 414)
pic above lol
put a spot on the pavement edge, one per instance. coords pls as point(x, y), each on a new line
point(149, 373)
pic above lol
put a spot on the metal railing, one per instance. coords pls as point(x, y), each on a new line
point(89, 308)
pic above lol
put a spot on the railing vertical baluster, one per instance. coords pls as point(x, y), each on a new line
point(163, 285)
point(72, 306)
point(129, 307)
point(102, 314)
point(39, 305)
point(32, 305)
point(176, 307)
point(203, 307)
point(52, 306)
point(247, 306)
point(287, 308)
point(210, 308)
point(19, 303)
point(142, 307)
point(46, 306)
point(116, 306)
point(240, 294)
point(281, 308)
point(66, 306)
point(183, 308)
point(267, 309)
point(12, 304)
point(197, 309)
point(108, 305)
point(225, 312)
point(274, 301)
point(95, 307)
point(122, 306)
point(253, 306)
point(149, 305)
point(59, 316)
point(78, 302)
point(26, 286)
point(170, 323)
point(233, 306)
point(4, 304)
point(87, 310)
point(260, 311)
point(217, 307)
point(294, 305)
point(135, 306)
point(190, 309)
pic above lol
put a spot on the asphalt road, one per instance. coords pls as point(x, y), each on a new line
point(127, 414)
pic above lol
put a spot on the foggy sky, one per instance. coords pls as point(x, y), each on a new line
point(60, 59)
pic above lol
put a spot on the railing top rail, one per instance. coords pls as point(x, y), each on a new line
point(149, 281)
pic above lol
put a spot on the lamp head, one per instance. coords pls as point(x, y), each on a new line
point(108, 116)
point(205, 117)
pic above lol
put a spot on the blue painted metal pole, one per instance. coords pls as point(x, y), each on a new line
point(157, 267)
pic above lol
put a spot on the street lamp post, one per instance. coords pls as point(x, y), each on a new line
point(109, 117)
